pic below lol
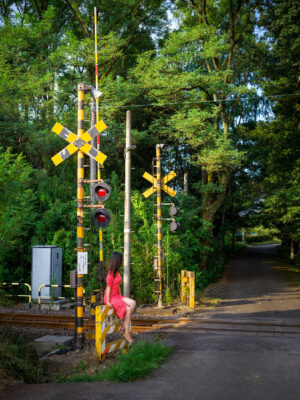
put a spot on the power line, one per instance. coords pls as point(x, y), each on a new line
point(103, 105)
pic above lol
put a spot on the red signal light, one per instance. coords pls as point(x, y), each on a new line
point(174, 226)
point(174, 211)
point(101, 192)
point(101, 218)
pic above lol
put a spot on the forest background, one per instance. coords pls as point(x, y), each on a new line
point(218, 80)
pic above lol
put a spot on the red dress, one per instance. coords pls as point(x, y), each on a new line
point(118, 304)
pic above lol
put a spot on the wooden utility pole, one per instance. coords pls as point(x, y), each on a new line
point(186, 183)
point(292, 250)
point(128, 149)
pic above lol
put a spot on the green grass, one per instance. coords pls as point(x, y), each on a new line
point(4, 300)
point(18, 359)
point(264, 242)
point(238, 246)
point(136, 363)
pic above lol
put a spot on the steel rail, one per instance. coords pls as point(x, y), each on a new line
point(56, 321)
point(250, 332)
point(66, 322)
point(65, 317)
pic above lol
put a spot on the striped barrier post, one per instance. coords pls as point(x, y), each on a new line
point(188, 288)
point(20, 295)
point(93, 306)
point(107, 322)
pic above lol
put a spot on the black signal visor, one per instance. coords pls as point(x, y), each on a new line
point(101, 191)
point(102, 217)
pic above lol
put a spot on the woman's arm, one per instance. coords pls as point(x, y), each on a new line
point(108, 289)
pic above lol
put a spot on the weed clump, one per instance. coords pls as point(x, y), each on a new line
point(136, 363)
point(18, 359)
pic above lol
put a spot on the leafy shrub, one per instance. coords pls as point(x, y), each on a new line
point(258, 238)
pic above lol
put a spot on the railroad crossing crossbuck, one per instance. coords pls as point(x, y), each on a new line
point(155, 182)
point(79, 143)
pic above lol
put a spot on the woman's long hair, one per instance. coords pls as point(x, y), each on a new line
point(114, 263)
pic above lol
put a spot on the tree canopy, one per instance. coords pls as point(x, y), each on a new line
point(217, 80)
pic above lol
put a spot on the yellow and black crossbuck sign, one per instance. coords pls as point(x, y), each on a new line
point(164, 187)
point(79, 143)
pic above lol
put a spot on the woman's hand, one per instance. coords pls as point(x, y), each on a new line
point(108, 289)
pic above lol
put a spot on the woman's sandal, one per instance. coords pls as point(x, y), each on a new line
point(128, 337)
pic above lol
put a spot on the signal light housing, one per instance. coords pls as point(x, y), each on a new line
point(174, 226)
point(102, 217)
point(174, 211)
point(163, 147)
point(101, 191)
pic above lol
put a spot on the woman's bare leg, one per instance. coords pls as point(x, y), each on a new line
point(130, 308)
point(130, 303)
point(126, 325)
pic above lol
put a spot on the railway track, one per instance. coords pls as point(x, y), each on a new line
point(196, 325)
point(231, 327)
point(62, 322)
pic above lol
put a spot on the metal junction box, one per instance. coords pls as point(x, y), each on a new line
point(46, 270)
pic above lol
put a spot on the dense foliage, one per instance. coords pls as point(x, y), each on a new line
point(219, 80)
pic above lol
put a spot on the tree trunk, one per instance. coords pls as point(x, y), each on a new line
point(292, 250)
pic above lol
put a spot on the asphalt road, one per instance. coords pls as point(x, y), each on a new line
point(258, 285)
point(216, 366)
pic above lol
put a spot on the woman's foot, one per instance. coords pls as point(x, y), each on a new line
point(128, 337)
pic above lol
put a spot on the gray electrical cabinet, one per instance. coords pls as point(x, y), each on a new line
point(46, 270)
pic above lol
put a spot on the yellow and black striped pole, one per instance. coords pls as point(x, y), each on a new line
point(159, 225)
point(80, 215)
point(98, 148)
point(159, 185)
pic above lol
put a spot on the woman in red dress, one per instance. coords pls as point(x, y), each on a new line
point(122, 305)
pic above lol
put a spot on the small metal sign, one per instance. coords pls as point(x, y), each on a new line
point(73, 279)
point(82, 263)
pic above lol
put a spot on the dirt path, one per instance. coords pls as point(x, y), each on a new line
point(258, 285)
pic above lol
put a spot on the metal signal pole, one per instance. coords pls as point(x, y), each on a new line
point(93, 163)
point(159, 185)
point(80, 215)
point(101, 259)
point(159, 225)
point(128, 149)
point(80, 143)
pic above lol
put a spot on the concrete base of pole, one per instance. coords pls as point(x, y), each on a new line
point(79, 342)
point(160, 303)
